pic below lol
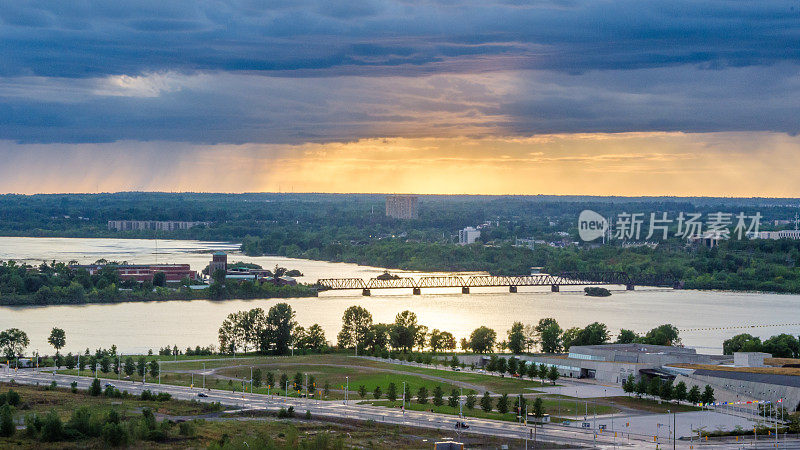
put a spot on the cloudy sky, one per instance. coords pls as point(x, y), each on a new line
point(561, 97)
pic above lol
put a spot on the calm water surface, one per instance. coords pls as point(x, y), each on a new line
point(137, 327)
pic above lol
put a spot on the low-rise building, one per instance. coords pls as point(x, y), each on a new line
point(143, 272)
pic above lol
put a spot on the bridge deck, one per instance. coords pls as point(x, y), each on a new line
point(451, 281)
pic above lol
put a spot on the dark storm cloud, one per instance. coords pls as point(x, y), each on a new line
point(300, 71)
point(91, 38)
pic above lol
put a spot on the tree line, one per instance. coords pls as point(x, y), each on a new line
point(273, 332)
point(55, 283)
point(779, 346)
point(664, 389)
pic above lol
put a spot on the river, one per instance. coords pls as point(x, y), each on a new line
point(705, 318)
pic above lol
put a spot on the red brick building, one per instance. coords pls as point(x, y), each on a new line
point(144, 272)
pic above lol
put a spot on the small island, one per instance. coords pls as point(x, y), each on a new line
point(594, 291)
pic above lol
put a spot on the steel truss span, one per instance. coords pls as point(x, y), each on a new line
point(450, 281)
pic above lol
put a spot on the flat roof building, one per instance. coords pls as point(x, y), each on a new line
point(402, 206)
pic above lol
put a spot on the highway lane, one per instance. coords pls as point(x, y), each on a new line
point(334, 409)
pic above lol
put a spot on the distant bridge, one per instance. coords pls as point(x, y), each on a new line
point(465, 283)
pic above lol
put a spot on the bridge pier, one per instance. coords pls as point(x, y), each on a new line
point(554, 288)
point(417, 291)
point(512, 289)
point(629, 287)
point(464, 289)
point(366, 292)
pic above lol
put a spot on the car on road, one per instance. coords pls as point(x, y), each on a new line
point(202, 394)
point(461, 425)
point(109, 385)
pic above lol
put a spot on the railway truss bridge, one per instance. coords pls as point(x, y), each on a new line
point(512, 282)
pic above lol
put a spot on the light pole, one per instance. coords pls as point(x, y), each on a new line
point(346, 389)
point(159, 373)
point(204, 376)
point(404, 398)
point(461, 403)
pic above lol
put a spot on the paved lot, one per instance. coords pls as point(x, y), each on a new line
point(583, 390)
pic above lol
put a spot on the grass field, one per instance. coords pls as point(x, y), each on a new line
point(335, 369)
point(554, 407)
point(253, 431)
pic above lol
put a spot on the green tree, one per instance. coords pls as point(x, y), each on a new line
point(680, 391)
point(538, 407)
point(391, 392)
point(13, 341)
point(486, 402)
point(666, 334)
point(105, 364)
point(570, 337)
point(654, 387)
point(782, 346)
point(502, 404)
point(629, 385)
point(516, 338)
point(543, 372)
point(141, 366)
point(403, 332)
point(159, 279)
point(627, 337)
point(256, 381)
point(362, 391)
point(470, 401)
point(58, 339)
point(422, 395)
point(356, 325)
point(69, 361)
point(377, 393)
point(501, 365)
point(52, 428)
point(129, 367)
point(271, 380)
point(694, 395)
point(482, 340)
point(552, 374)
point(298, 381)
point(95, 389)
point(666, 391)
point(154, 368)
point(708, 395)
point(7, 426)
point(741, 343)
point(280, 323)
point(452, 401)
point(641, 387)
point(512, 366)
point(438, 395)
point(549, 335)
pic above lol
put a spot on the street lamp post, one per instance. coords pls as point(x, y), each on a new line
point(204, 376)
point(404, 398)
point(346, 389)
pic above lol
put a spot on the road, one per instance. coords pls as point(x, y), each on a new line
point(338, 409)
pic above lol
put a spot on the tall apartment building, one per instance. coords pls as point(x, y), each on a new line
point(468, 235)
point(160, 225)
point(402, 206)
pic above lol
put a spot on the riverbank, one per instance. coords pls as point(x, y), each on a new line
point(107, 296)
